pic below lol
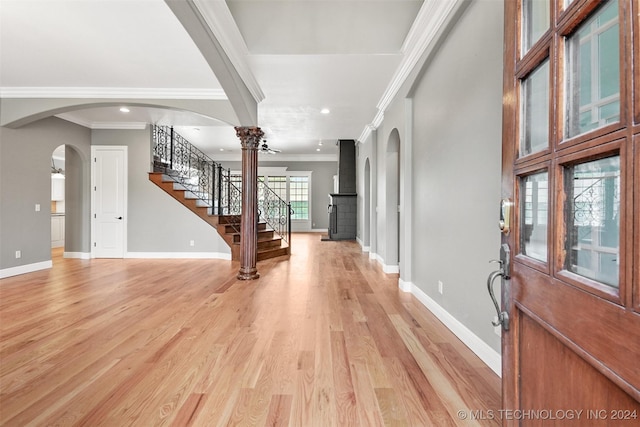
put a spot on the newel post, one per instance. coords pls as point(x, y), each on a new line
point(250, 137)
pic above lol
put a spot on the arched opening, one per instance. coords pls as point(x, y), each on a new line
point(366, 238)
point(392, 193)
point(69, 203)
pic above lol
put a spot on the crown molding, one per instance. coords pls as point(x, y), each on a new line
point(220, 20)
point(237, 157)
point(112, 93)
point(424, 33)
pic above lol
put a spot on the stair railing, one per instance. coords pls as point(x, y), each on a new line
point(273, 210)
point(207, 181)
point(203, 178)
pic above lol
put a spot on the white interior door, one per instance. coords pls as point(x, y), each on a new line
point(109, 201)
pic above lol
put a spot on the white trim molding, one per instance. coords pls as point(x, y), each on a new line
point(178, 255)
point(112, 92)
point(432, 19)
point(481, 349)
point(77, 255)
point(24, 269)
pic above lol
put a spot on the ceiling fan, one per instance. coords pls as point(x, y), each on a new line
point(264, 148)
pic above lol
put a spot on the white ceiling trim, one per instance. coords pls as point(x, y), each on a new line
point(112, 93)
point(236, 157)
point(431, 19)
point(219, 18)
point(102, 125)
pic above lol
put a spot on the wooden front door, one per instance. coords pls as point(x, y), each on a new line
point(571, 167)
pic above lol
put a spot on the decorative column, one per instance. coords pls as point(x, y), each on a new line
point(250, 137)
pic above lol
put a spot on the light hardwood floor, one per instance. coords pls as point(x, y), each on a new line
point(322, 339)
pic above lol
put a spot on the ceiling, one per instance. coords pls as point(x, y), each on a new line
point(305, 55)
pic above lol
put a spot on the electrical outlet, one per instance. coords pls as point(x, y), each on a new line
point(37, 207)
point(18, 254)
point(192, 242)
point(440, 287)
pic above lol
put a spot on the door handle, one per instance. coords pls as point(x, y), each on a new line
point(504, 273)
point(503, 316)
point(118, 217)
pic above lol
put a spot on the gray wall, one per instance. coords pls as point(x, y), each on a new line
point(451, 129)
point(457, 168)
point(157, 222)
point(25, 180)
point(321, 185)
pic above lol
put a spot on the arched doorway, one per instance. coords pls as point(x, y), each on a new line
point(392, 193)
point(69, 203)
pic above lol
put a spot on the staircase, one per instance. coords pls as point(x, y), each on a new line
point(199, 184)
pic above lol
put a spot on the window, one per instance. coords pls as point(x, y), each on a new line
point(536, 21)
point(534, 215)
point(593, 219)
point(535, 111)
point(299, 196)
point(593, 72)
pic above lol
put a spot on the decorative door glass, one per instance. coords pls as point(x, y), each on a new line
point(535, 111)
point(534, 215)
point(593, 219)
point(593, 72)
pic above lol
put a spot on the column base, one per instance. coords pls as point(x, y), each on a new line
point(249, 274)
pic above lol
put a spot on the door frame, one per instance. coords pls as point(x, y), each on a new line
point(94, 153)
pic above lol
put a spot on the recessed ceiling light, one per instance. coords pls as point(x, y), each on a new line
point(222, 149)
point(325, 111)
point(124, 109)
point(317, 149)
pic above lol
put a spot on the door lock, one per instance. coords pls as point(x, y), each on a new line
point(505, 215)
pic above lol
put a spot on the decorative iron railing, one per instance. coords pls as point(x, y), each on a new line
point(206, 180)
point(273, 210)
point(203, 178)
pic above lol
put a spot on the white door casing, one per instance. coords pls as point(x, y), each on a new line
point(109, 201)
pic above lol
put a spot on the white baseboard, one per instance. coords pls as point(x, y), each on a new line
point(319, 230)
point(373, 255)
point(78, 255)
point(404, 286)
point(391, 269)
point(387, 269)
point(361, 243)
point(179, 255)
point(481, 349)
point(24, 269)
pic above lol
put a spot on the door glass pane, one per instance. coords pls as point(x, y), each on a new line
point(593, 219)
point(593, 72)
point(534, 215)
point(535, 111)
point(536, 21)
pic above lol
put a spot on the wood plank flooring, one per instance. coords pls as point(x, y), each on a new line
point(322, 339)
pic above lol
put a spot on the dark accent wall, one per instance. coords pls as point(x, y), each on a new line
point(346, 166)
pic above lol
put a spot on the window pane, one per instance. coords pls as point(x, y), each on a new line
point(535, 111)
point(534, 211)
point(593, 219)
point(279, 186)
point(536, 21)
point(299, 196)
point(593, 72)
